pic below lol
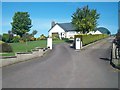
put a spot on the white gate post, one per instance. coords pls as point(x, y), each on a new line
point(113, 50)
point(80, 44)
point(49, 43)
point(77, 43)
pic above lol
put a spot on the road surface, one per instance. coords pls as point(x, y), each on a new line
point(65, 67)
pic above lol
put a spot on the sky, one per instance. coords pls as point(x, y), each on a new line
point(43, 13)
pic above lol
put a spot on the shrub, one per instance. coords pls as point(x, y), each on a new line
point(4, 47)
point(16, 39)
point(1, 42)
point(31, 38)
point(5, 37)
point(71, 37)
point(42, 37)
point(65, 39)
point(86, 39)
point(21, 41)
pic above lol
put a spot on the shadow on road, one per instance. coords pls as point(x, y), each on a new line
point(105, 59)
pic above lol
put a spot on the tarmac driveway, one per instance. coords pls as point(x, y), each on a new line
point(65, 67)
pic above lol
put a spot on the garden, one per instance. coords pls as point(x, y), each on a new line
point(9, 49)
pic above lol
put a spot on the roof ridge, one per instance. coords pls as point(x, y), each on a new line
point(65, 23)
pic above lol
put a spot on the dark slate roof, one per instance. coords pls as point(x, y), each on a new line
point(103, 30)
point(67, 26)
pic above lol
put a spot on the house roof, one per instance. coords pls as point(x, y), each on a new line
point(69, 27)
point(66, 26)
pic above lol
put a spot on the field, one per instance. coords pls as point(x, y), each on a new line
point(27, 47)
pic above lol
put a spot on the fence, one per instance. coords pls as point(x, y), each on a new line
point(115, 55)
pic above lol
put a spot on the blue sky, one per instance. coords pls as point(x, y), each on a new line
point(43, 13)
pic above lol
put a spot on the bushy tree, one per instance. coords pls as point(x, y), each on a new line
point(42, 37)
point(21, 23)
point(5, 37)
point(85, 20)
point(34, 32)
point(16, 39)
point(25, 37)
point(10, 36)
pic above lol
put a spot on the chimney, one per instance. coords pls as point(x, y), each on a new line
point(52, 24)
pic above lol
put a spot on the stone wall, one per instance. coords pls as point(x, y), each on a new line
point(22, 57)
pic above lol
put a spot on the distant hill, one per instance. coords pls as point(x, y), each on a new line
point(103, 30)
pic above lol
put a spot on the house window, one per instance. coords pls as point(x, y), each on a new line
point(62, 34)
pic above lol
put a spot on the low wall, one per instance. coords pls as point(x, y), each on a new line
point(22, 57)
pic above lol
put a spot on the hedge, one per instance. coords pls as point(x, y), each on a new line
point(87, 39)
point(118, 38)
point(5, 47)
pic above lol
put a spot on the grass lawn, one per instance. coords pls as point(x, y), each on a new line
point(7, 54)
point(23, 47)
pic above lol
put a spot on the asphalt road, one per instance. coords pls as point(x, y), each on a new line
point(65, 67)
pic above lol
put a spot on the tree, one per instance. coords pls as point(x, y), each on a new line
point(16, 39)
point(10, 36)
point(0, 37)
point(21, 23)
point(85, 20)
point(25, 37)
point(34, 32)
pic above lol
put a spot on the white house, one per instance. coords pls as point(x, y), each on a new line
point(64, 30)
point(67, 30)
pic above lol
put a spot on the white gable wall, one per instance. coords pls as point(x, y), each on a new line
point(95, 32)
point(57, 29)
point(91, 32)
point(98, 32)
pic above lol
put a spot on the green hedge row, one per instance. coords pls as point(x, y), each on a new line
point(87, 39)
